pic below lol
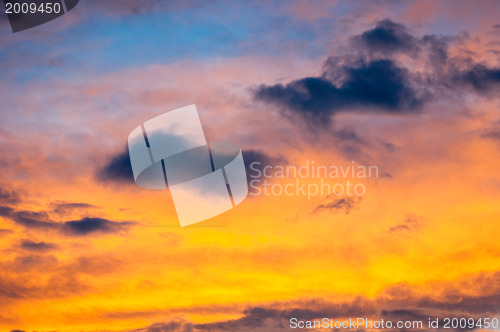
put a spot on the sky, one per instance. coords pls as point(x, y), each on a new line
point(410, 87)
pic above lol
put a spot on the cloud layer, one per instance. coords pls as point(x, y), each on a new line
point(371, 76)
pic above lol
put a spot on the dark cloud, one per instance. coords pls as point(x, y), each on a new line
point(390, 147)
point(95, 265)
point(42, 220)
point(8, 197)
point(257, 160)
point(402, 314)
point(63, 278)
point(6, 211)
point(117, 169)
point(410, 224)
point(278, 317)
point(437, 47)
point(390, 37)
point(345, 205)
point(253, 318)
point(32, 219)
point(371, 77)
point(88, 225)
point(33, 262)
point(480, 77)
point(387, 36)
point(349, 142)
point(493, 133)
point(396, 303)
point(376, 85)
point(25, 218)
point(177, 325)
point(10, 290)
point(84, 226)
point(4, 231)
point(348, 135)
point(63, 208)
point(470, 304)
point(37, 246)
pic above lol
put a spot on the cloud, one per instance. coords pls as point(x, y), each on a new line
point(493, 133)
point(177, 325)
point(64, 208)
point(31, 219)
point(10, 289)
point(257, 160)
point(33, 262)
point(61, 278)
point(378, 85)
point(37, 246)
point(386, 37)
point(470, 304)
point(345, 205)
point(397, 303)
point(42, 220)
point(277, 317)
point(88, 225)
point(370, 76)
point(8, 197)
point(117, 169)
point(95, 265)
point(253, 319)
point(4, 231)
point(84, 226)
point(5, 211)
point(348, 135)
point(349, 142)
point(437, 47)
point(480, 77)
point(390, 37)
point(410, 224)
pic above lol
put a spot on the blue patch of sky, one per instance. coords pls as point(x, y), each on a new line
point(108, 43)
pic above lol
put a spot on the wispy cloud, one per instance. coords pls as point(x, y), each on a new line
point(85, 226)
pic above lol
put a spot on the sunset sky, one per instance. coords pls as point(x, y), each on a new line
point(411, 87)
